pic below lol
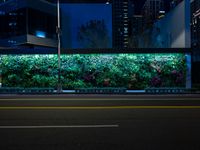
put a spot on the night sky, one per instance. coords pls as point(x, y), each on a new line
point(75, 15)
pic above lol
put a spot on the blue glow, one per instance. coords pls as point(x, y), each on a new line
point(41, 34)
point(75, 15)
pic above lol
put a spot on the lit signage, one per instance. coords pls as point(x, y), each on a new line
point(41, 34)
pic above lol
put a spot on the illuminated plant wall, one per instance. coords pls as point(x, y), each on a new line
point(132, 71)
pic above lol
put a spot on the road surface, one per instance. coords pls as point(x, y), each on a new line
point(100, 122)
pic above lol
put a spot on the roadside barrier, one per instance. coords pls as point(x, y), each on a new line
point(13, 90)
point(101, 90)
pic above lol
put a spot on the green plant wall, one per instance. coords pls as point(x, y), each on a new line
point(133, 71)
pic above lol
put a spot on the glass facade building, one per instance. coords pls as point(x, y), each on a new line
point(26, 22)
point(122, 11)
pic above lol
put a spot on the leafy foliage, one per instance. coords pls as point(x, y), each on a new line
point(133, 71)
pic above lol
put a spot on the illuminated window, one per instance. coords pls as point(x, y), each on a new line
point(40, 34)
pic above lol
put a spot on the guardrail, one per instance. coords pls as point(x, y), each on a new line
point(18, 90)
point(100, 90)
point(15, 90)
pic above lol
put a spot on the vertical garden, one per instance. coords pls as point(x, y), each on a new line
point(132, 71)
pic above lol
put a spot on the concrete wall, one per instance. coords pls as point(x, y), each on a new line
point(173, 31)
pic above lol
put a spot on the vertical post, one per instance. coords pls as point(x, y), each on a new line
point(59, 90)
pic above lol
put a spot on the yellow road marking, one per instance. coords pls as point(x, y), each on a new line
point(94, 107)
point(96, 99)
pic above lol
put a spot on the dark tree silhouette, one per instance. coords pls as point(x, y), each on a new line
point(93, 34)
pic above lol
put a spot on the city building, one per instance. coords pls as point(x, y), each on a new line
point(195, 40)
point(27, 22)
point(152, 10)
point(174, 3)
point(136, 29)
point(122, 11)
point(195, 23)
point(2, 1)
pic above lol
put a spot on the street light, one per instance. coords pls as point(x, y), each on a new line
point(59, 88)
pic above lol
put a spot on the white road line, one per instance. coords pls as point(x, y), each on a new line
point(67, 126)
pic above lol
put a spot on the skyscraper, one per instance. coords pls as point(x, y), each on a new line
point(1, 1)
point(135, 30)
point(195, 40)
point(174, 3)
point(151, 10)
point(123, 10)
point(195, 23)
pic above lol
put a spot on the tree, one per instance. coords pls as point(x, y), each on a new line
point(93, 34)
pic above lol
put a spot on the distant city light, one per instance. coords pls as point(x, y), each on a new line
point(162, 12)
point(41, 34)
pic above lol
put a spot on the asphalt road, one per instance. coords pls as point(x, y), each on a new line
point(100, 122)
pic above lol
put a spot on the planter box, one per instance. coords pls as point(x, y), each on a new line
point(101, 90)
